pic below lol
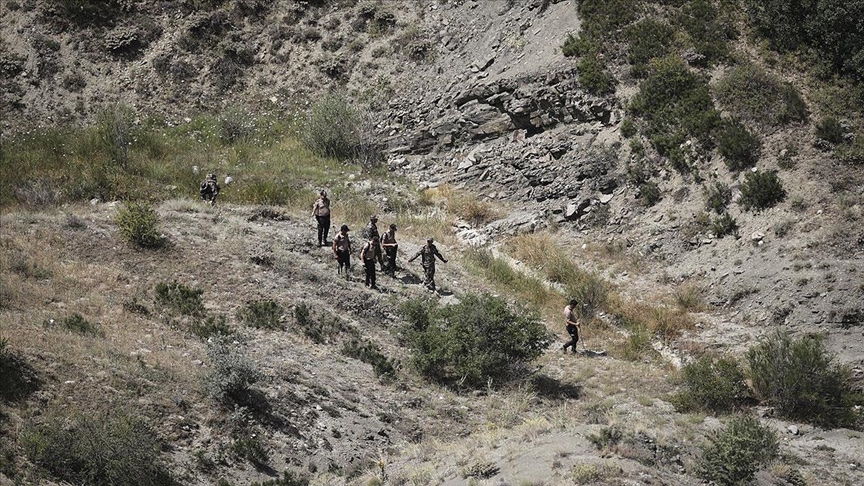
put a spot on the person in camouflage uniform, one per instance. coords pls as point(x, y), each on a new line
point(371, 229)
point(342, 250)
point(388, 242)
point(209, 189)
point(427, 255)
point(368, 255)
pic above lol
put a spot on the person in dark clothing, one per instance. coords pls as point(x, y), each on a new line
point(371, 229)
point(572, 323)
point(427, 255)
point(342, 251)
point(371, 253)
point(388, 242)
point(321, 211)
point(209, 189)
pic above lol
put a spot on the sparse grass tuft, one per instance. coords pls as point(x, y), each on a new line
point(77, 324)
point(262, 314)
point(180, 297)
point(371, 354)
point(211, 326)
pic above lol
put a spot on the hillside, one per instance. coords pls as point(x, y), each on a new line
point(692, 177)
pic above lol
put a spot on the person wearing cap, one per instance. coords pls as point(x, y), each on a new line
point(321, 211)
point(572, 323)
point(427, 255)
point(368, 255)
point(209, 189)
point(388, 242)
point(371, 229)
point(342, 250)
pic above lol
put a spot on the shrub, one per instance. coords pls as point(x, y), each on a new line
point(802, 381)
point(262, 314)
point(573, 46)
point(650, 193)
point(719, 196)
point(594, 77)
point(114, 126)
point(739, 148)
point(77, 324)
point(607, 438)
point(713, 385)
point(289, 478)
point(761, 190)
point(252, 449)
point(752, 94)
point(676, 106)
point(138, 223)
point(98, 448)
point(335, 129)
point(180, 297)
point(18, 378)
point(319, 330)
point(370, 354)
point(233, 373)
point(707, 33)
point(734, 455)
point(236, 125)
point(476, 342)
point(647, 39)
point(210, 327)
point(628, 128)
point(724, 225)
point(830, 130)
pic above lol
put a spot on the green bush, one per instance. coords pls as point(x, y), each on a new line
point(718, 196)
point(802, 381)
point(600, 18)
point(628, 128)
point(574, 47)
point(369, 353)
point(336, 129)
point(211, 326)
point(320, 330)
point(251, 449)
point(138, 223)
point(180, 297)
point(77, 324)
point(675, 105)
point(740, 148)
point(714, 385)
point(647, 39)
point(262, 314)
point(733, 455)
point(98, 448)
point(752, 94)
point(724, 225)
point(707, 33)
point(18, 378)
point(761, 190)
point(232, 375)
point(650, 193)
point(476, 342)
point(830, 130)
point(594, 77)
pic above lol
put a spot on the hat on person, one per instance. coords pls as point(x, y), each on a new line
point(344, 228)
point(429, 240)
point(393, 226)
point(323, 192)
point(574, 302)
point(373, 218)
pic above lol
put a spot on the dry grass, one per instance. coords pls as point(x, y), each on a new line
point(463, 205)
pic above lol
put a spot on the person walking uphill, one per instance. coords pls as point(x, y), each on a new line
point(321, 211)
point(209, 189)
point(371, 253)
point(572, 324)
point(427, 256)
point(342, 250)
point(371, 229)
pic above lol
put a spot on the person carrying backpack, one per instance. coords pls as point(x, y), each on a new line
point(209, 189)
point(342, 251)
point(321, 211)
point(368, 255)
point(427, 255)
point(371, 229)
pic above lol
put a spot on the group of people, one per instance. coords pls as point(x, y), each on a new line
point(377, 248)
point(382, 249)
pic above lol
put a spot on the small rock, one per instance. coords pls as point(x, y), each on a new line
point(793, 429)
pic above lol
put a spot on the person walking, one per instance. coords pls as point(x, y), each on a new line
point(342, 251)
point(371, 253)
point(321, 211)
point(371, 229)
point(427, 255)
point(209, 189)
point(388, 242)
point(572, 325)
